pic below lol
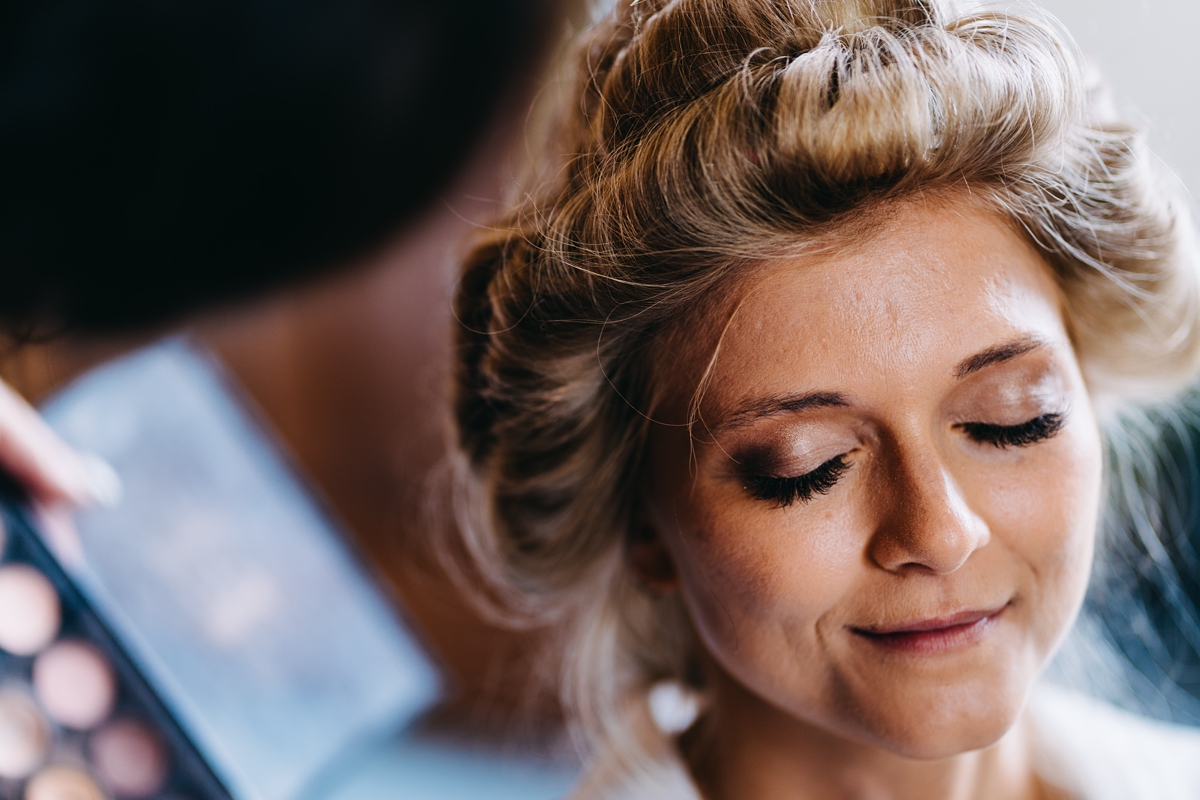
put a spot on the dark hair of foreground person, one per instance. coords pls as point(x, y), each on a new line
point(158, 158)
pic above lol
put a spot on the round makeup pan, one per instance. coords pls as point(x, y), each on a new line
point(75, 684)
point(62, 782)
point(24, 735)
point(29, 610)
point(129, 758)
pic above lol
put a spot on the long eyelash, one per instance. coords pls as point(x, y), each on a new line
point(785, 491)
point(1035, 430)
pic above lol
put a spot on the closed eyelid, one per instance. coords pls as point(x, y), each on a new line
point(1038, 429)
point(785, 490)
point(784, 458)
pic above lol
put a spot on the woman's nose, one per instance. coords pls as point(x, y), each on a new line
point(926, 523)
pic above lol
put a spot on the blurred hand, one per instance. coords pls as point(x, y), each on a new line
point(52, 473)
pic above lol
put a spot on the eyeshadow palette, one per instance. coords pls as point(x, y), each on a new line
point(213, 636)
point(78, 720)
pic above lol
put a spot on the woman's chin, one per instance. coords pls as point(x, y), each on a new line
point(947, 727)
point(937, 745)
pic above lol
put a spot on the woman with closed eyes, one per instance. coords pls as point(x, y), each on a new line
point(788, 384)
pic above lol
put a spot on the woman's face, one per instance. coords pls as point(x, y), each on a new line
point(883, 522)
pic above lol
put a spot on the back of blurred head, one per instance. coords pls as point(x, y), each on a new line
point(156, 158)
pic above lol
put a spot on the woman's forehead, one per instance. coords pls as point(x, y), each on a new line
point(920, 271)
point(931, 287)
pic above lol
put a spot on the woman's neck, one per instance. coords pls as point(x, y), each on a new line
point(753, 749)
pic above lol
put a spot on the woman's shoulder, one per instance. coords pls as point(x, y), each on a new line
point(1094, 751)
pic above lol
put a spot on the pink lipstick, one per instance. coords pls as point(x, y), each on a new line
point(933, 634)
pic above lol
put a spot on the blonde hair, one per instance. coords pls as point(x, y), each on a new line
point(703, 136)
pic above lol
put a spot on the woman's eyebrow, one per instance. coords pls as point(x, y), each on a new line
point(760, 408)
point(997, 354)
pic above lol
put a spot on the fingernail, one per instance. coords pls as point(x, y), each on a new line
point(102, 481)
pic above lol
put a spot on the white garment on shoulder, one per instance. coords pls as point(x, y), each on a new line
point(664, 776)
point(1083, 746)
point(1094, 751)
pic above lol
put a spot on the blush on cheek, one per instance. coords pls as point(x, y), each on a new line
point(751, 571)
point(1072, 494)
point(1055, 522)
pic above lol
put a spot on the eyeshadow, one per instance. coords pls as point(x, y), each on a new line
point(129, 757)
point(24, 734)
point(63, 782)
point(232, 588)
point(78, 721)
point(75, 684)
point(213, 636)
point(29, 610)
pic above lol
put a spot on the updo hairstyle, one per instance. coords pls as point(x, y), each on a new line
point(700, 139)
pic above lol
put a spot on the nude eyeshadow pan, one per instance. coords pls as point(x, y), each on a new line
point(78, 721)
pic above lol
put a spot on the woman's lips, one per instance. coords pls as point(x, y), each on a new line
point(934, 634)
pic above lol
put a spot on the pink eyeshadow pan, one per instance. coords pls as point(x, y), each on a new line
point(129, 758)
point(75, 684)
point(29, 610)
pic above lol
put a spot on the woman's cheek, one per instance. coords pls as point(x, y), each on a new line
point(1066, 496)
point(1045, 513)
point(749, 567)
point(1072, 494)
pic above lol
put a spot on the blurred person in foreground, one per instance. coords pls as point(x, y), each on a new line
point(292, 180)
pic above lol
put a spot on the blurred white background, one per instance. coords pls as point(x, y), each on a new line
point(1148, 52)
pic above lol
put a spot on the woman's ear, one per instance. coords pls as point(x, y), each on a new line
point(650, 560)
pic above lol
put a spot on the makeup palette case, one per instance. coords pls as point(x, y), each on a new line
point(212, 637)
